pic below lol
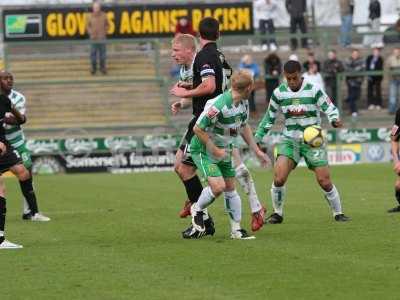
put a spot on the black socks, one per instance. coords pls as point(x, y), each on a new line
point(29, 194)
point(193, 188)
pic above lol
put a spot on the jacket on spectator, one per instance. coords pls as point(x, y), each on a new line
point(374, 65)
point(393, 64)
point(273, 65)
point(346, 7)
point(296, 8)
point(355, 65)
point(253, 68)
point(374, 10)
point(97, 26)
point(265, 11)
point(331, 67)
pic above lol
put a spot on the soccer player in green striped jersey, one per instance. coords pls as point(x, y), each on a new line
point(15, 136)
point(301, 103)
point(223, 118)
point(183, 52)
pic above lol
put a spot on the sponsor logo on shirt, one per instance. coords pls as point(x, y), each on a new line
point(212, 112)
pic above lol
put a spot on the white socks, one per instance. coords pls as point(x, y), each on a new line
point(206, 198)
point(245, 180)
point(278, 196)
point(233, 206)
point(333, 199)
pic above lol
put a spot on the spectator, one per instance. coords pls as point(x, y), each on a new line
point(391, 37)
point(346, 15)
point(332, 66)
point(354, 64)
point(375, 24)
point(313, 76)
point(273, 70)
point(97, 27)
point(311, 60)
point(374, 63)
point(297, 10)
point(184, 26)
point(393, 64)
point(267, 10)
point(247, 63)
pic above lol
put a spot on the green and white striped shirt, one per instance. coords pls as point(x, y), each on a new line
point(222, 119)
point(14, 133)
point(186, 73)
point(300, 109)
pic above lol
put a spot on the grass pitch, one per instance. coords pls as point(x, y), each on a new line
point(118, 237)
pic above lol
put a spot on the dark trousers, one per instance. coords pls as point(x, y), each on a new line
point(98, 49)
point(374, 92)
point(354, 95)
point(301, 23)
point(252, 101)
point(270, 85)
point(267, 25)
point(331, 88)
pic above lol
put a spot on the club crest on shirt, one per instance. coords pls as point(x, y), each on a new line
point(212, 112)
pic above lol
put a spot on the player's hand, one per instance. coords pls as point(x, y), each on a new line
point(219, 153)
point(263, 158)
point(185, 85)
point(10, 119)
point(396, 167)
point(3, 148)
point(176, 107)
point(337, 124)
point(179, 91)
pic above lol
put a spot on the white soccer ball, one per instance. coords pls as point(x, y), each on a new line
point(313, 136)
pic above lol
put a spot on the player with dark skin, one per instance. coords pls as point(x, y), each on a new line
point(300, 101)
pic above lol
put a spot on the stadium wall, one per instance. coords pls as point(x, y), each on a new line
point(128, 154)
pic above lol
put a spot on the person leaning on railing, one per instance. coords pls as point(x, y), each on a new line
point(331, 67)
point(354, 64)
point(393, 65)
point(374, 62)
point(273, 71)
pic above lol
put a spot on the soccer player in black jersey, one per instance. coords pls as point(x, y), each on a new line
point(11, 160)
point(209, 80)
point(396, 159)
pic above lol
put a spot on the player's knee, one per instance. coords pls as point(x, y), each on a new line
point(22, 174)
point(397, 185)
point(325, 183)
point(279, 180)
point(218, 188)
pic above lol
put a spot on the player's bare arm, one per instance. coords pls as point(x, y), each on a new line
point(206, 87)
point(3, 148)
point(205, 139)
point(15, 117)
point(181, 104)
point(337, 123)
point(185, 85)
point(247, 135)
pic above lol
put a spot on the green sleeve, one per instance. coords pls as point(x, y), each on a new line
point(268, 120)
point(326, 106)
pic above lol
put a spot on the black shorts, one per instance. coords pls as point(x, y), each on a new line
point(185, 143)
point(9, 159)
